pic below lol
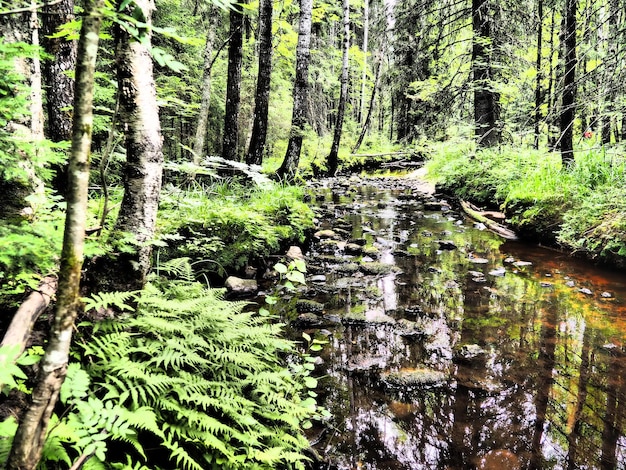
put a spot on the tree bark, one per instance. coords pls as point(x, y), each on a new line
point(486, 100)
point(230, 145)
point(262, 98)
point(59, 85)
point(29, 439)
point(144, 151)
point(289, 167)
point(538, 93)
point(366, 30)
point(568, 107)
point(333, 156)
point(203, 114)
point(368, 117)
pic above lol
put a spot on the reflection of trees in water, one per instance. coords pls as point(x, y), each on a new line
point(549, 393)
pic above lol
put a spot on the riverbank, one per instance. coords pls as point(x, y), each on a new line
point(581, 209)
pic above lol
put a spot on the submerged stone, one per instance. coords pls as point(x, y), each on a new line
point(305, 305)
point(375, 268)
point(420, 377)
point(325, 234)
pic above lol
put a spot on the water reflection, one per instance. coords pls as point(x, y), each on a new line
point(545, 386)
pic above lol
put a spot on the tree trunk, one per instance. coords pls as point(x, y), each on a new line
point(144, 150)
point(486, 100)
point(538, 94)
point(230, 145)
point(205, 103)
point(368, 117)
point(366, 29)
point(569, 85)
point(333, 156)
point(262, 98)
point(23, 27)
point(29, 439)
point(58, 84)
point(289, 167)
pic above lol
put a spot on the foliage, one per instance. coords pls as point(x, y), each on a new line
point(226, 391)
point(581, 207)
point(11, 362)
point(225, 226)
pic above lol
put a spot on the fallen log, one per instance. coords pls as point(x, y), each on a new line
point(404, 152)
point(27, 314)
point(492, 225)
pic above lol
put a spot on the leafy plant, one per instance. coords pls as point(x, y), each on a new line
point(216, 377)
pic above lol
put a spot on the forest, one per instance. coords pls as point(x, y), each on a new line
point(153, 150)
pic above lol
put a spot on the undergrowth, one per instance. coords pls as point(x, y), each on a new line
point(224, 226)
point(186, 380)
point(579, 207)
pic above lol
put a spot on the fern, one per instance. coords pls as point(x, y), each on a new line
point(211, 374)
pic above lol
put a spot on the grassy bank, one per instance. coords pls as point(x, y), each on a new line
point(581, 208)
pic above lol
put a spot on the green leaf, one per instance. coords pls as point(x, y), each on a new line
point(280, 268)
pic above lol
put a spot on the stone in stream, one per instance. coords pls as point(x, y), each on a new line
point(469, 354)
point(305, 305)
point(498, 272)
point(326, 233)
point(237, 287)
point(353, 249)
point(294, 253)
point(412, 378)
point(447, 245)
point(585, 291)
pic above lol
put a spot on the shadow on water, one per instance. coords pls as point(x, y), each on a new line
point(449, 348)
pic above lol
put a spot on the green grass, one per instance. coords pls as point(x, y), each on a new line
point(580, 207)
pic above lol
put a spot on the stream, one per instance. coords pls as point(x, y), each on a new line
point(448, 347)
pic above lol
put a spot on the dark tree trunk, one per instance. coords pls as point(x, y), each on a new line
point(486, 100)
point(58, 85)
point(230, 145)
point(30, 437)
point(289, 167)
point(333, 156)
point(538, 94)
point(568, 108)
point(262, 98)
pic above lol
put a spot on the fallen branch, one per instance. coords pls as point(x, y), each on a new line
point(27, 314)
point(405, 152)
point(495, 227)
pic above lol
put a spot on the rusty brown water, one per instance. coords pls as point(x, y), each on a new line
point(469, 351)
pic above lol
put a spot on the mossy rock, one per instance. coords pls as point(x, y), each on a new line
point(375, 268)
point(410, 378)
point(304, 305)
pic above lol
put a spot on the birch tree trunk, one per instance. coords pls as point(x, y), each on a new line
point(539, 79)
point(366, 29)
point(262, 98)
point(29, 439)
point(333, 156)
point(289, 167)
point(144, 149)
point(230, 145)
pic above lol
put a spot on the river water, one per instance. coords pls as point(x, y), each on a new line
point(449, 347)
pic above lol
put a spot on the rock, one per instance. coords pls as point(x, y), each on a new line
point(237, 287)
point(585, 291)
point(294, 253)
point(375, 268)
point(606, 295)
point(498, 272)
point(318, 278)
point(307, 320)
point(365, 364)
point(353, 249)
point(410, 378)
point(325, 234)
point(570, 283)
point(521, 264)
point(304, 305)
point(470, 353)
point(371, 251)
point(476, 260)
point(447, 245)
point(358, 241)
